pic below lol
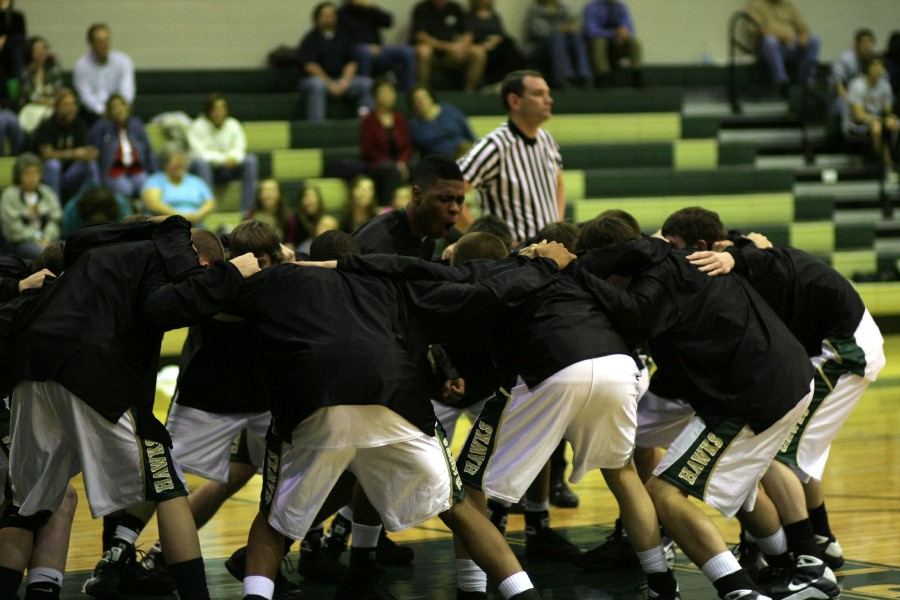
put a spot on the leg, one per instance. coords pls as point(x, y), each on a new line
point(51, 544)
point(178, 535)
point(578, 51)
point(265, 549)
point(424, 59)
point(808, 60)
point(361, 89)
point(771, 52)
point(249, 173)
point(600, 58)
point(316, 96)
point(203, 170)
point(53, 175)
point(206, 500)
point(475, 62)
point(560, 62)
point(645, 460)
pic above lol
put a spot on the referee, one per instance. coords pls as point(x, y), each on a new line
point(517, 168)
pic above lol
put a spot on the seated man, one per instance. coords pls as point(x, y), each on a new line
point(440, 37)
point(610, 34)
point(784, 37)
point(848, 66)
point(364, 21)
point(102, 72)
point(329, 65)
point(62, 143)
point(219, 149)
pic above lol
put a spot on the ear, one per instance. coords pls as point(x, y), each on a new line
point(416, 194)
point(204, 262)
point(702, 245)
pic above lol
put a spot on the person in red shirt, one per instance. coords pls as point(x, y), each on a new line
point(386, 144)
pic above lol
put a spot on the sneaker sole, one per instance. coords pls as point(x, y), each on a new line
point(100, 594)
point(832, 591)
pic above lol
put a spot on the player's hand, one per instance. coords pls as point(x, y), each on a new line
point(447, 254)
point(557, 252)
point(35, 280)
point(453, 390)
point(721, 245)
point(328, 264)
point(287, 254)
point(247, 264)
point(759, 240)
point(712, 263)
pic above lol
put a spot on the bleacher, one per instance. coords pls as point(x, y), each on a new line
point(637, 150)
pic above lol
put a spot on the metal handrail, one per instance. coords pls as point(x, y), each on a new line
point(737, 19)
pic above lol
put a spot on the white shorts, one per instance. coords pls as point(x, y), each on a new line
point(844, 370)
point(448, 415)
point(202, 441)
point(57, 436)
point(407, 481)
point(722, 465)
point(660, 420)
point(591, 404)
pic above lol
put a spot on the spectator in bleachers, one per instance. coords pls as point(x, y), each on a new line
point(38, 85)
point(29, 210)
point(326, 223)
point(62, 142)
point(870, 116)
point(848, 66)
point(503, 53)
point(554, 41)
point(93, 205)
point(219, 149)
point(784, 38)
point(102, 72)
point(438, 32)
point(892, 65)
point(327, 59)
point(10, 131)
point(174, 191)
point(12, 48)
point(360, 205)
point(385, 143)
point(310, 210)
point(270, 208)
point(126, 156)
point(438, 128)
point(609, 30)
point(363, 22)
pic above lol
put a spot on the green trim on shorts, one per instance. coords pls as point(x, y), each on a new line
point(849, 358)
point(479, 446)
point(240, 451)
point(271, 473)
point(161, 480)
point(457, 494)
point(692, 470)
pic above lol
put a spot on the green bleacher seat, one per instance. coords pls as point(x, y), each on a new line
point(267, 135)
point(297, 163)
point(602, 183)
point(882, 298)
point(6, 170)
point(599, 128)
point(761, 209)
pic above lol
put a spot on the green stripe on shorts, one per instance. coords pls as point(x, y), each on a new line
point(691, 471)
point(161, 481)
point(240, 453)
point(849, 358)
point(457, 494)
point(476, 452)
point(271, 472)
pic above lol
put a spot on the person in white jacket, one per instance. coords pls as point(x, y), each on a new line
point(219, 149)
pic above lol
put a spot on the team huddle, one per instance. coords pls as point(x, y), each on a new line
point(327, 374)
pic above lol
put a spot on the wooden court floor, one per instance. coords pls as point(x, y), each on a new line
point(862, 486)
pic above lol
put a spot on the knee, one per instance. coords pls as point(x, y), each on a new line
point(313, 85)
point(423, 52)
point(52, 167)
point(770, 43)
point(69, 503)
point(814, 44)
point(251, 163)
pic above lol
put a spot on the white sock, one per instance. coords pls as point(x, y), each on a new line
point(653, 560)
point(257, 585)
point(365, 536)
point(537, 506)
point(129, 535)
point(515, 584)
point(45, 574)
point(720, 565)
point(774, 545)
point(469, 576)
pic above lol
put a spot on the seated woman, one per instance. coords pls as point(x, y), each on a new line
point(126, 156)
point(438, 128)
point(219, 149)
point(360, 205)
point(38, 84)
point(309, 212)
point(270, 207)
point(385, 143)
point(29, 210)
point(174, 191)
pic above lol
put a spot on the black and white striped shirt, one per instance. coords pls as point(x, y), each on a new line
point(516, 177)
